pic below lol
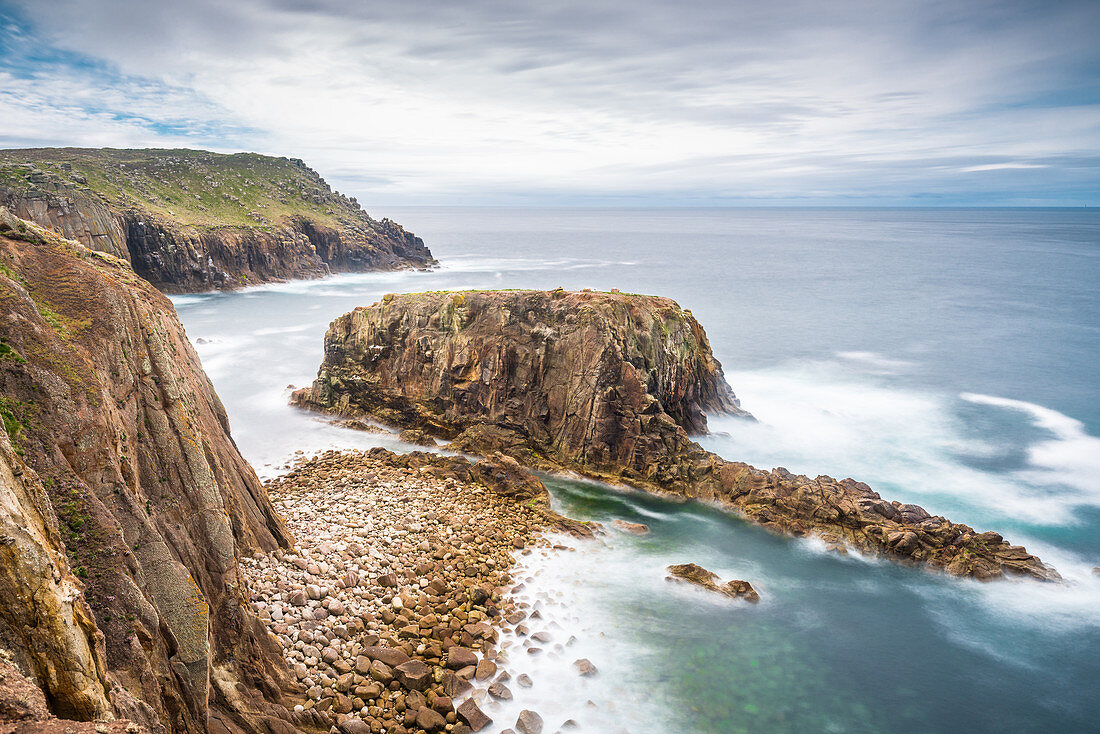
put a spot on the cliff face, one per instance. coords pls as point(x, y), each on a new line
point(581, 375)
point(608, 385)
point(192, 220)
point(119, 476)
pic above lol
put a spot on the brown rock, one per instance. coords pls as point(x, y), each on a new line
point(460, 657)
point(585, 667)
point(414, 675)
point(500, 691)
point(485, 670)
point(381, 672)
point(388, 655)
point(430, 721)
point(474, 717)
point(634, 528)
point(529, 722)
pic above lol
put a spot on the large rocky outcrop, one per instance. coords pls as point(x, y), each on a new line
point(192, 220)
point(124, 504)
point(609, 385)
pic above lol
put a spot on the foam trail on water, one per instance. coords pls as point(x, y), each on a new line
point(1070, 457)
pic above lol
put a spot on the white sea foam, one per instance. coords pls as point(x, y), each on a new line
point(1069, 457)
point(571, 590)
point(880, 363)
point(820, 417)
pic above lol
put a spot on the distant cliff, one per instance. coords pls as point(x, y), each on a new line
point(190, 220)
point(609, 385)
point(124, 504)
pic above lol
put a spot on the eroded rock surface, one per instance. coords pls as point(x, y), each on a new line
point(125, 503)
point(609, 385)
point(192, 220)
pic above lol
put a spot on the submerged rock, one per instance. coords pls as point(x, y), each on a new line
point(695, 574)
point(634, 528)
point(608, 385)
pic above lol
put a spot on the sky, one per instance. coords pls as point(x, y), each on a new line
point(589, 102)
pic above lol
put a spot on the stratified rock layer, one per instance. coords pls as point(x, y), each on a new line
point(190, 220)
point(119, 475)
point(609, 385)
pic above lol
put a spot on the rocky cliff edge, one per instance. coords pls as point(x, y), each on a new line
point(124, 504)
point(191, 220)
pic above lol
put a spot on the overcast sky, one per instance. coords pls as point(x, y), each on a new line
point(836, 102)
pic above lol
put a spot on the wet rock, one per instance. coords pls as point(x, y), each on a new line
point(695, 574)
point(529, 722)
point(585, 667)
point(417, 437)
point(741, 590)
point(634, 528)
point(500, 691)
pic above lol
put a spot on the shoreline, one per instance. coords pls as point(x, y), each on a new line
point(392, 606)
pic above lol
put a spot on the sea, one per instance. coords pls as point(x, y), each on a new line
point(947, 357)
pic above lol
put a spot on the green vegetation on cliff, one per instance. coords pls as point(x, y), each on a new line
point(188, 187)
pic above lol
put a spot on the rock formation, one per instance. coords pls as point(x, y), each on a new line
point(191, 220)
point(696, 574)
point(124, 503)
point(609, 385)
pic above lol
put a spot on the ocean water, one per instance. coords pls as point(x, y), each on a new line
point(946, 357)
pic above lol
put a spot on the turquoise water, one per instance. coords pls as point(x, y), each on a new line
point(945, 357)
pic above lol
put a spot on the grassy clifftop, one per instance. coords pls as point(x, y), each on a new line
point(188, 187)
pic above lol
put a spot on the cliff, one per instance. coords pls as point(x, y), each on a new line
point(609, 385)
point(124, 504)
point(190, 220)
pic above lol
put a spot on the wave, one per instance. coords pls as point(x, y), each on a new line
point(1071, 457)
point(821, 417)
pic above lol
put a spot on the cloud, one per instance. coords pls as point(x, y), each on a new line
point(496, 101)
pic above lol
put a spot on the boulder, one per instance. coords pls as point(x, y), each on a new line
point(474, 717)
point(414, 675)
point(529, 722)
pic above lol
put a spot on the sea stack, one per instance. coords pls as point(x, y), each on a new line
point(609, 385)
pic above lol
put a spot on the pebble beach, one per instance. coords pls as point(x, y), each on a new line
point(392, 605)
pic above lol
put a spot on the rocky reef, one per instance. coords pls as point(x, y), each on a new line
point(124, 505)
point(190, 220)
point(609, 385)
